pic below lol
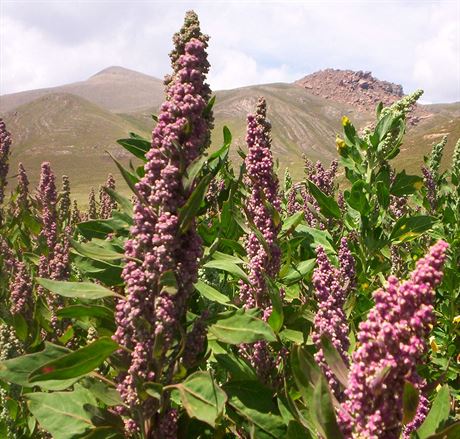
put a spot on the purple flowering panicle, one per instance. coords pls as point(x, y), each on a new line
point(21, 291)
point(263, 185)
point(54, 263)
point(431, 188)
point(263, 206)
point(159, 249)
point(92, 206)
point(22, 200)
point(332, 286)
point(392, 343)
point(5, 144)
point(65, 203)
point(107, 205)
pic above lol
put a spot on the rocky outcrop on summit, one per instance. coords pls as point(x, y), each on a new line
point(358, 89)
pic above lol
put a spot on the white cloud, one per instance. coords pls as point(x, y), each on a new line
point(415, 43)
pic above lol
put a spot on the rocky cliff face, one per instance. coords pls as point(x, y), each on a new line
point(358, 89)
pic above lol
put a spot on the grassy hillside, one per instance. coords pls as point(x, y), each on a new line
point(74, 125)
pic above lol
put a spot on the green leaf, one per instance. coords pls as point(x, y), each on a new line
point(63, 414)
point(211, 293)
point(323, 411)
point(77, 311)
point(291, 223)
point(97, 252)
point(408, 228)
point(236, 327)
point(202, 398)
point(122, 201)
point(411, 396)
point(76, 364)
point(130, 178)
point(239, 370)
point(108, 395)
point(137, 147)
point(192, 171)
point(405, 184)
point(81, 290)
point(327, 204)
point(356, 198)
point(227, 135)
point(104, 433)
point(450, 432)
point(191, 207)
point(101, 228)
point(254, 402)
point(305, 371)
point(335, 361)
point(228, 266)
point(17, 370)
point(438, 414)
point(296, 274)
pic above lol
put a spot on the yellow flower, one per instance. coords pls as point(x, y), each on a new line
point(340, 144)
point(433, 344)
point(456, 319)
point(345, 121)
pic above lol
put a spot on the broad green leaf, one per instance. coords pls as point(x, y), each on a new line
point(292, 222)
point(404, 184)
point(356, 197)
point(122, 201)
point(82, 290)
point(77, 311)
point(239, 370)
point(98, 252)
point(63, 414)
point(450, 432)
point(76, 364)
point(411, 396)
point(305, 371)
point(408, 228)
point(211, 293)
point(130, 178)
point(108, 395)
point(438, 414)
point(101, 228)
point(202, 398)
point(227, 266)
point(137, 147)
point(191, 207)
point(236, 327)
point(296, 274)
point(323, 411)
point(255, 403)
point(327, 204)
point(104, 433)
point(335, 361)
point(17, 370)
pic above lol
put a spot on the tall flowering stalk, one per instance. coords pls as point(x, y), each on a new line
point(54, 262)
point(431, 188)
point(263, 184)
point(263, 206)
point(106, 204)
point(392, 343)
point(21, 291)
point(332, 286)
point(65, 202)
point(148, 320)
point(5, 144)
point(22, 200)
point(92, 206)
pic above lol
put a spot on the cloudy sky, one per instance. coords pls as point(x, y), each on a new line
point(415, 43)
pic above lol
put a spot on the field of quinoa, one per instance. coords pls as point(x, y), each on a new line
point(225, 301)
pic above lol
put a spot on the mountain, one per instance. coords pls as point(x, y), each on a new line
point(115, 88)
point(73, 126)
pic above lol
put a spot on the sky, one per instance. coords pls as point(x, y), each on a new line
point(415, 43)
